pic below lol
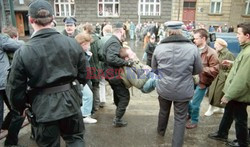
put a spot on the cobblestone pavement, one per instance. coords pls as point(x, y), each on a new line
point(141, 115)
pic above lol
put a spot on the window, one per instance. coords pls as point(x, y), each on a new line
point(21, 1)
point(64, 8)
point(215, 6)
point(189, 4)
point(149, 8)
point(108, 8)
point(247, 10)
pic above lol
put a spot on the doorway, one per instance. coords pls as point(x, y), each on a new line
point(22, 23)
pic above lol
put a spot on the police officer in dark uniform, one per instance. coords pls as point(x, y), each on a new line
point(70, 27)
point(113, 62)
point(51, 65)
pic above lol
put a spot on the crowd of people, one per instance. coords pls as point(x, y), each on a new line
point(58, 79)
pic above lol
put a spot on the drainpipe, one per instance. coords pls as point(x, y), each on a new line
point(2, 17)
point(179, 9)
point(12, 13)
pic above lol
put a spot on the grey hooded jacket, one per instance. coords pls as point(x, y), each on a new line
point(7, 45)
point(175, 60)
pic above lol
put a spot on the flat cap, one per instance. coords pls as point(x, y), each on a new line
point(37, 5)
point(118, 25)
point(174, 24)
point(69, 20)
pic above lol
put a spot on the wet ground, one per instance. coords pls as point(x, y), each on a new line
point(141, 115)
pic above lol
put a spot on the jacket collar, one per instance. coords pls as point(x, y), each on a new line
point(117, 39)
point(175, 38)
point(223, 51)
point(44, 33)
point(243, 46)
point(205, 49)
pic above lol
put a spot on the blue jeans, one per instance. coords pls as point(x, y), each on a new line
point(87, 101)
point(132, 34)
point(149, 86)
point(150, 83)
point(194, 104)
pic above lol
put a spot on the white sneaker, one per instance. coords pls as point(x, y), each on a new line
point(210, 111)
point(89, 120)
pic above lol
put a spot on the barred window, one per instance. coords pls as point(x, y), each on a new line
point(64, 8)
point(149, 7)
point(108, 8)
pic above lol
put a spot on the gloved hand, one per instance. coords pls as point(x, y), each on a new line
point(130, 63)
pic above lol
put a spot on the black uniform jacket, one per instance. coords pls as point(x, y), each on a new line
point(48, 59)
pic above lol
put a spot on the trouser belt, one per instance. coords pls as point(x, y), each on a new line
point(54, 89)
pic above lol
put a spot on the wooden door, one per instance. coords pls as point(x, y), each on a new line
point(20, 24)
point(188, 15)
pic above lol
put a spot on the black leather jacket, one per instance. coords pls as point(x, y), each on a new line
point(48, 59)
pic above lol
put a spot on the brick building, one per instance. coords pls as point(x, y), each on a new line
point(211, 12)
point(94, 11)
point(208, 12)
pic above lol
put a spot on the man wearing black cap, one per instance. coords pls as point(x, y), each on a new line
point(175, 60)
point(70, 27)
point(113, 62)
point(49, 65)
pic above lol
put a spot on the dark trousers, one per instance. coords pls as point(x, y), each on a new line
point(14, 128)
point(12, 122)
point(235, 111)
point(96, 94)
point(121, 96)
point(2, 97)
point(180, 114)
point(71, 129)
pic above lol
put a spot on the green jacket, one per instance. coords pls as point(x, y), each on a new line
point(135, 75)
point(101, 43)
point(215, 92)
point(94, 60)
point(237, 85)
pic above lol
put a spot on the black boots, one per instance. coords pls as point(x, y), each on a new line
point(117, 122)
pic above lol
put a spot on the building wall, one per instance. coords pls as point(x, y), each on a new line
point(86, 11)
point(177, 10)
point(204, 16)
point(237, 12)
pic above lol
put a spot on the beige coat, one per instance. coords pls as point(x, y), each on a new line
point(215, 90)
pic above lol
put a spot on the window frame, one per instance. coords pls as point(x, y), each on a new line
point(108, 2)
point(247, 2)
point(215, 6)
point(142, 5)
point(64, 5)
